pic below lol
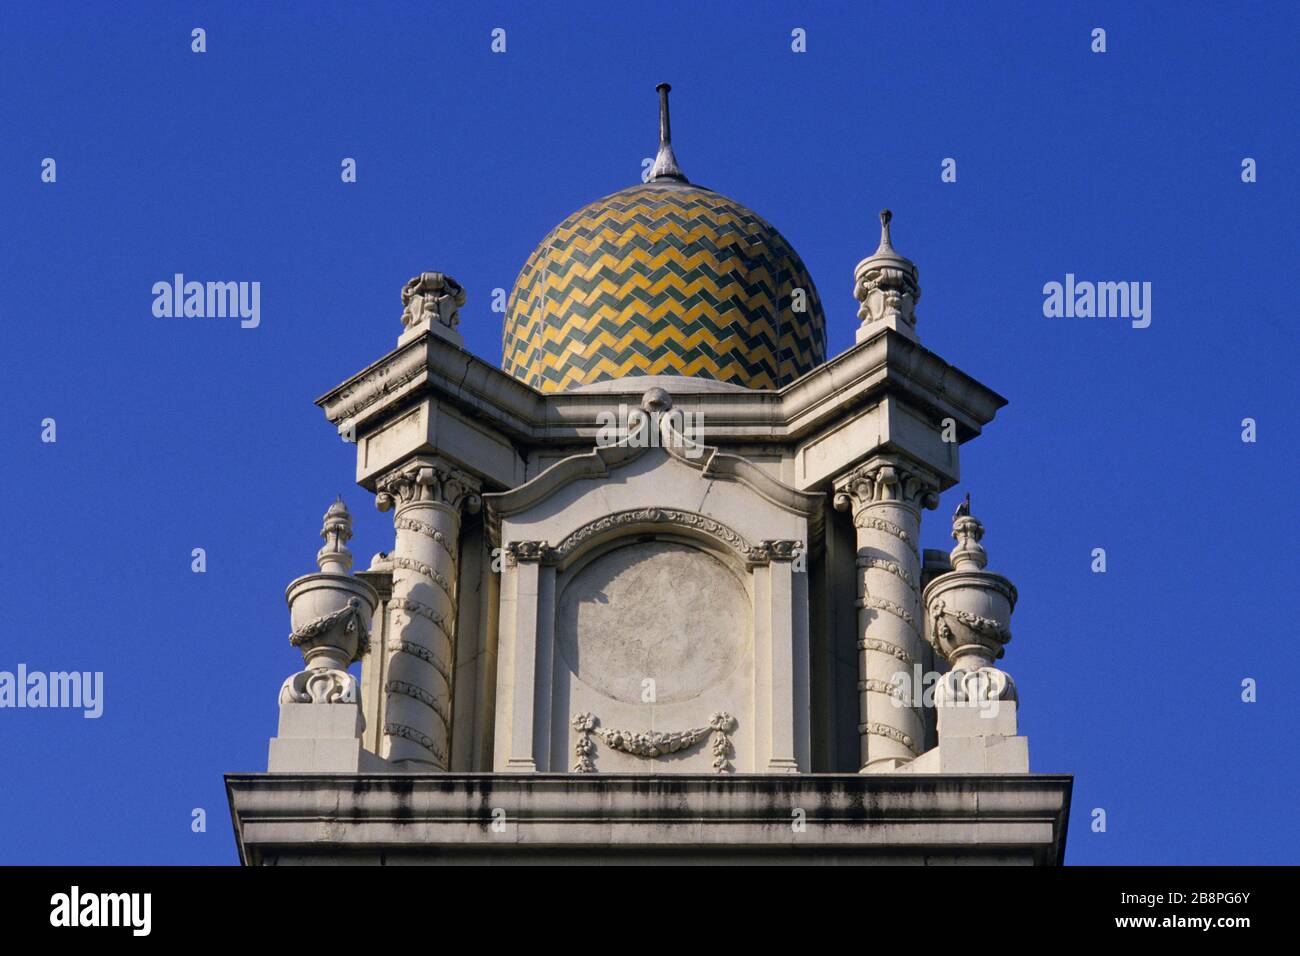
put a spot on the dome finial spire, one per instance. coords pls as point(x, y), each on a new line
point(885, 244)
point(665, 166)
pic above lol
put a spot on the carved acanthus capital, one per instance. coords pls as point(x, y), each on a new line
point(884, 481)
point(432, 297)
point(428, 480)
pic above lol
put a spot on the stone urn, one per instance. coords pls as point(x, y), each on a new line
point(330, 612)
point(968, 617)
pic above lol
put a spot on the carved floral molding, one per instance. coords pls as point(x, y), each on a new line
point(651, 744)
point(763, 552)
point(879, 729)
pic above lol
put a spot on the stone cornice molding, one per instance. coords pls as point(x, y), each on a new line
point(887, 363)
point(390, 376)
point(608, 813)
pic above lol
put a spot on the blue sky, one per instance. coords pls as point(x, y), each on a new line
point(183, 433)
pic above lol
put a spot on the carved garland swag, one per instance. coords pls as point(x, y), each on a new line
point(651, 745)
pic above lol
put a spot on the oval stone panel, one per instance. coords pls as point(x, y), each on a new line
point(658, 610)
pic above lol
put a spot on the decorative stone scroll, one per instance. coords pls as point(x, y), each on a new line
point(326, 686)
point(983, 684)
point(651, 745)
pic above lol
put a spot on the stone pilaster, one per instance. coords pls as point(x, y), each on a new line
point(426, 495)
point(885, 497)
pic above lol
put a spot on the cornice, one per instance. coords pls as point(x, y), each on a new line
point(885, 364)
point(608, 813)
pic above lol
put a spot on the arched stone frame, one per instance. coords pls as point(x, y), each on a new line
point(658, 531)
point(583, 484)
point(777, 726)
point(620, 525)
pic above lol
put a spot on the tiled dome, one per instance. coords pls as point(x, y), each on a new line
point(663, 278)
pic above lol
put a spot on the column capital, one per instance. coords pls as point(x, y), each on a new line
point(517, 551)
point(782, 549)
point(886, 479)
point(431, 479)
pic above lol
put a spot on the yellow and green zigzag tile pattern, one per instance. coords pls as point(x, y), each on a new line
point(662, 279)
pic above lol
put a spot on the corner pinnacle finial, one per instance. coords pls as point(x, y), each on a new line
point(335, 558)
point(886, 285)
point(665, 165)
point(967, 531)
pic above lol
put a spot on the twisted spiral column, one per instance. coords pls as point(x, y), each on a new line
point(885, 497)
point(426, 496)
